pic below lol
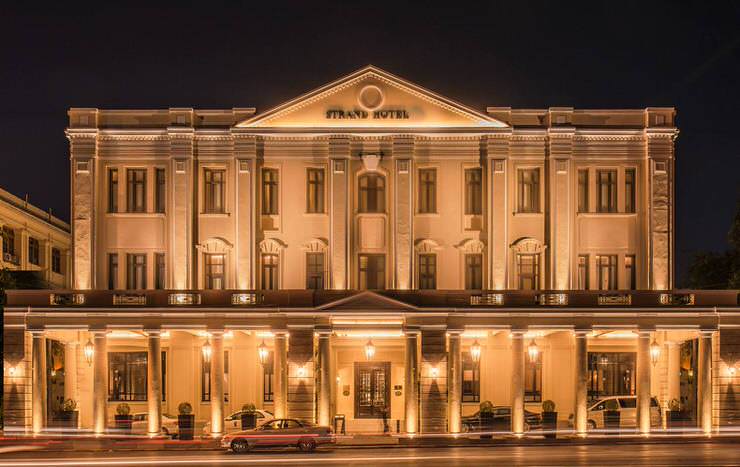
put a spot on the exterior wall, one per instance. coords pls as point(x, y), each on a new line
point(28, 221)
point(17, 386)
point(726, 400)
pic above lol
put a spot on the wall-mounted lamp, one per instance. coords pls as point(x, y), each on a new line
point(12, 371)
point(89, 352)
point(434, 372)
point(369, 350)
point(732, 371)
point(475, 352)
point(262, 352)
point(207, 351)
point(533, 351)
point(301, 371)
point(654, 352)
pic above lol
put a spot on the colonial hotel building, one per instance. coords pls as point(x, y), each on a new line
point(370, 247)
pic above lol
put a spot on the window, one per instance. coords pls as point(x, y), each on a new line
point(33, 251)
point(372, 272)
point(533, 379)
point(112, 271)
point(136, 179)
point(528, 267)
point(136, 271)
point(607, 265)
point(372, 193)
point(315, 188)
point(214, 191)
point(529, 190)
point(127, 376)
point(161, 191)
point(583, 279)
point(474, 271)
point(268, 377)
point(113, 190)
point(270, 271)
point(8, 241)
point(473, 192)
point(315, 271)
point(470, 379)
point(606, 190)
point(629, 266)
point(205, 378)
point(56, 260)
point(215, 271)
point(629, 190)
point(427, 271)
point(427, 191)
point(270, 192)
point(159, 272)
point(583, 191)
point(611, 374)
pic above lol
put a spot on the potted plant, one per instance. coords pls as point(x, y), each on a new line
point(185, 421)
point(676, 416)
point(485, 418)
point(123, 417)
point(549, 419)
point(69, 414)
point(249, 417)
point(611, 415)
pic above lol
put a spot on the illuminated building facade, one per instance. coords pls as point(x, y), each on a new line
point(387, 251)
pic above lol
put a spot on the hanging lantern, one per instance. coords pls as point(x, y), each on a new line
point(475, 352)
point(533, 351)
point(262, 352)
point(369, 350)
point(654, 352)
point(207, 351)
point(89, 352)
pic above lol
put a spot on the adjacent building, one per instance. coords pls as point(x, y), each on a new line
point(373, 250)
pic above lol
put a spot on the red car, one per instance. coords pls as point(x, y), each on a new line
point(279, 433)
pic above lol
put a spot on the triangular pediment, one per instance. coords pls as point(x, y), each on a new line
point(367, 301)
point(371, 98)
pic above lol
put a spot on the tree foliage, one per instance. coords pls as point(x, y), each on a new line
point(710, 270)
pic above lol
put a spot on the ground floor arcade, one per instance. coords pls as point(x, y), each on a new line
point(377, 367)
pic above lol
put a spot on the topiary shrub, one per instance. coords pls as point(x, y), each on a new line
point(548, 406)
point(249, 408)
point(674, 405)
point(486, 407)
point(612, 405)
point(184, 408)
point(123, 409)
point(69, 405)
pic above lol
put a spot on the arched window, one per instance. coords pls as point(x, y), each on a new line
point(372, 193)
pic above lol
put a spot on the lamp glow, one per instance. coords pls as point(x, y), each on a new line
point(475, 352)
point(11, 371)
point(207, 351)
point(434, 372)
point(89, 352)
point(654, 352)
point(369, 350)
point(301, 371)
point(262, 352)
point(533, 351)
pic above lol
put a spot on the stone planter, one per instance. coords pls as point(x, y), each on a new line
point(123, 422)
point(611, 419)
point(186, 426)
point(249, 421)
point(550, 423)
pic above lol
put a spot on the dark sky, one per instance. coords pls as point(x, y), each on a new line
point(518, 54)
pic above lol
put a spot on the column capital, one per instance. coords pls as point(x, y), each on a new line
point(97, 331)
point(37, 333)
point(323, 332)
point(706, 332)
point(581, 333)
point(457, 332)
point(645, 333)
point(155, 333)
point(517, 333)
point(411, 331)
point(217, 333)
point(281, 333)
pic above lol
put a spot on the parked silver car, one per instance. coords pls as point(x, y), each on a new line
point(627, 412)
point(140, 424)
point(280, 433)
point(234, 421)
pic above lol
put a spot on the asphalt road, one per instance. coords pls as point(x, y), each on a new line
point(714, 454)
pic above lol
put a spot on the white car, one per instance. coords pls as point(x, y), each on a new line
point(233, 422)
point(140, 424)
point(627, 412)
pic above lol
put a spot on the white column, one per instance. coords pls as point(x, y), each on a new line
point(154, 382)
point(217, 382)
point(100, 382)
point(324, 389)
point(38, 391)
point(280, 361)
point(412, 381)
point(581, 383)
point(643, 382)
point(705, 382)
point(517, 382)
point(454, 382)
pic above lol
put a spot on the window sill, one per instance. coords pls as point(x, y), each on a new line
point(607, 214)
point(427, 214)
point(315, 214)
point(214, 214)
point(135, 214)
point(526, 214)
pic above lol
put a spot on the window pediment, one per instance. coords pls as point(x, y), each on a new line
point(215, 245)
point(528, 245)
point(272, 245)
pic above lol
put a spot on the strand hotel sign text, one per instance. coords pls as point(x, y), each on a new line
point(370, 100)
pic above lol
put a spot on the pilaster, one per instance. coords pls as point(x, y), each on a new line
point(245, 154)
point(184, 203)
point(300, 402)
point(339, 208)
point(433, 381)
point(403, 151)
point(559, 205)
point(498, 147)
point(660, 151)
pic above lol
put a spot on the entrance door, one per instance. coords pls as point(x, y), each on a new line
point(54, 380)
point(372, 389)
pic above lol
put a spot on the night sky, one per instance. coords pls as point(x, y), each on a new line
point(518, 54)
